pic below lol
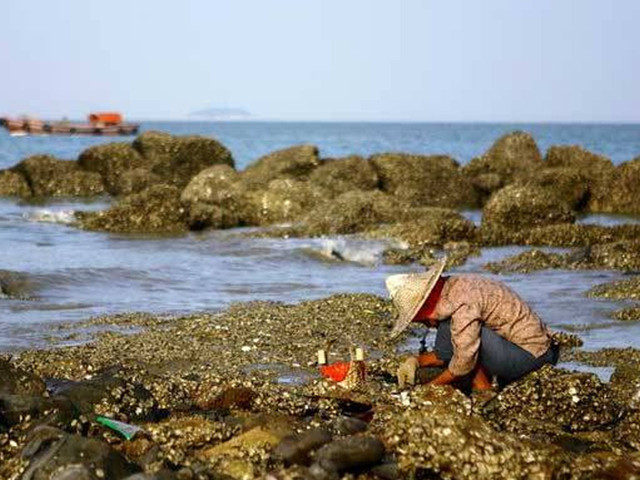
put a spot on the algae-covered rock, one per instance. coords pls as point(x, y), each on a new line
point(628, 288)
point(17, 285)
point(214, 199)
point(13, 184)
point(515, 208)
point(428, 227)
point(512, 156)
point(295, 163)
point(420, 180)
point(111, 161)
point(155, 210)
point(528, 261)
point(284, 200)
point(48, 176)
point(351, 212)
point(189, 156)
point(620, 191)
point(340, 175)
point(554, 399)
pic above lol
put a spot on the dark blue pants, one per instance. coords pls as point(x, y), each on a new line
point(501, 358)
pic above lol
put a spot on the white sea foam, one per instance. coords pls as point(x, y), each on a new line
point(367, 253)
point(51, 216)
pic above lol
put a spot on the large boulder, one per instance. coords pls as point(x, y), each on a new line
point(187, 157)
point(511, 157)
point(48, 176)
point(295, 162)
point(351, 212)
point(111, 161)
point(155, 210)
point(284, 200)
point(13, 184)
point(619, 191)
point(338, 176)
point(515, 208)
point(421, 180)
point(214, 199)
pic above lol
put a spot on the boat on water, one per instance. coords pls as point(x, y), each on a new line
point(100, 123)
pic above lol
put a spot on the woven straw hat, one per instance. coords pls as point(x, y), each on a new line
point(409, 292)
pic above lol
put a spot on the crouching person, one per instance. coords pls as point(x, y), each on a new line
point(484, 330)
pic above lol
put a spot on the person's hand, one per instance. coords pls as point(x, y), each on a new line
point(406, 373)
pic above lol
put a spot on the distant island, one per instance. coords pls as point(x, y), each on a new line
point(222, 114)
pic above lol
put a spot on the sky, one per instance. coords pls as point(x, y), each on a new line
point(327, 60)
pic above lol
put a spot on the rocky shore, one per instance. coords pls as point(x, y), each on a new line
point(237, 394)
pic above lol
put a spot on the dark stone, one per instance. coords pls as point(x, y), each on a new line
point(295, 449)
point(57, 455)
point(349, 426)
point(16, 285)
point(350, 454)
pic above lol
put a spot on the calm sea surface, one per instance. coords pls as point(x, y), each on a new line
point(74, 274)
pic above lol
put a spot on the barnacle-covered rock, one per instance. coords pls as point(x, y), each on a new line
point(428, 227)
point(155, 210)
point(576, 157)
point(512, 156)
point(13, 184)
point(420, 180)
point(48, 176)
point(618, 191)
point(340, 175)
point(295, 163)
point(516, 208)
point(628, 314)
point(14, 380)
point(213, 198)
point(628, 288)
point(111, 161)
point(616, 256)
point(136, 180)
point(571, 186)
point(189, 155)
point(560, 235)
point(554, 399)
point(351, 212)
point(283, 200)
point(433, 433)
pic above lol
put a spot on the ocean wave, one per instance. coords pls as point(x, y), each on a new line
point(341, 249)
point(44, 215)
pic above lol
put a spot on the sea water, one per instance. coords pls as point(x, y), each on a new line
point(74, 274)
